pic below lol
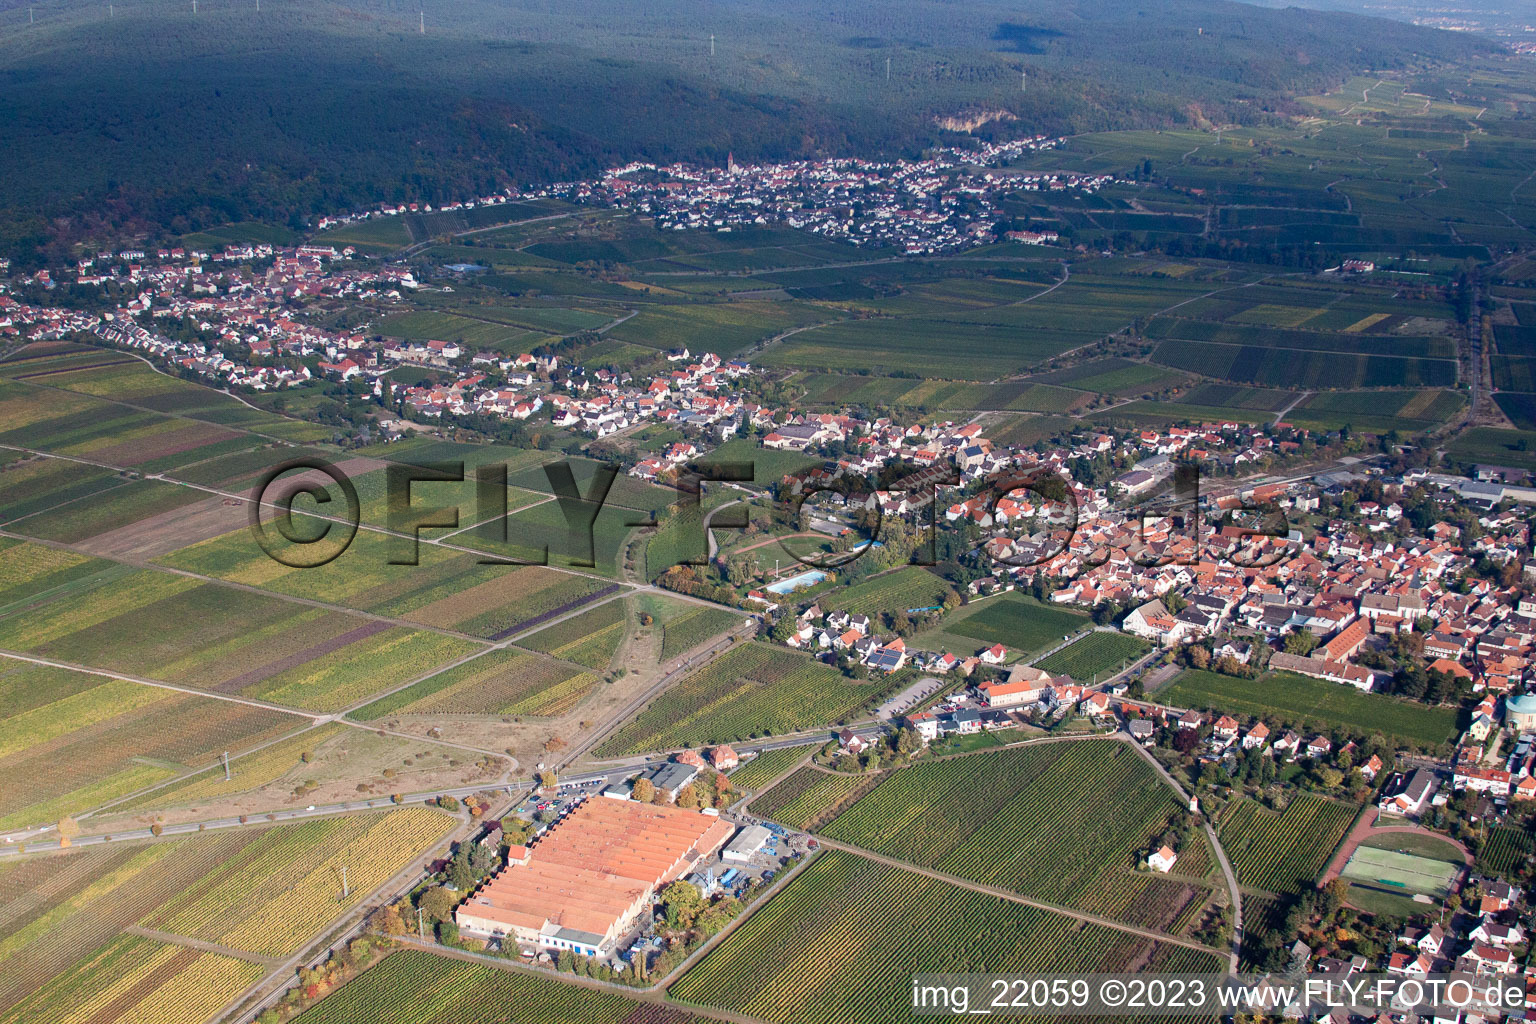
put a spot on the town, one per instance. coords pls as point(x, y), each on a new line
point(829, 498)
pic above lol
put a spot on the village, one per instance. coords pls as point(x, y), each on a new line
point(1247, 554)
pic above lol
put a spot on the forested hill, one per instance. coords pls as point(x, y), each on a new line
point(154, 116)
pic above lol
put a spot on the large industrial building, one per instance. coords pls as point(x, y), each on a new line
point(583, 883)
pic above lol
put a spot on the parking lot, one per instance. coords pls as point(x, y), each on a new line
point(909, 698)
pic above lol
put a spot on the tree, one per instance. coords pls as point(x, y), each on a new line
point(1300, 642)
point(548, 779)
point(389, 922)
point(645, 790)
point(154, 829)
point(688, 798)
point(437, 903)
point(681, 903)
point(1330, 777)
point(355, 953)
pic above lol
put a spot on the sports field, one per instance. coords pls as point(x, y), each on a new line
point(1401, 871)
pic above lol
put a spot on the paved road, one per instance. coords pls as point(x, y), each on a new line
point(15, 840)
point(1235, 957)
point(714, 546)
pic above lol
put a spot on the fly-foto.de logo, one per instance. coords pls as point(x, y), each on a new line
point(307, 512)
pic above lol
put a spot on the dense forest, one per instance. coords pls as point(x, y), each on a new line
point(145, 115)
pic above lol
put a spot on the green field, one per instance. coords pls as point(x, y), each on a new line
point(31, 572)
point(1119, 377)
point(213, 637)
point(446, 589)
point(753, 774)
point(1377, 411)
point(723, 328)
point(1293, 368)
point(752, 690)
point(414, 986)
point(1019, 623)
point(107, 510)
point(499, 682)
point(258, 890)
point(1493, 445)
point(907, 589)
point(810, 796)
point(1287, 851)
point(929, 347)
point(33, 485)
point(474, 333)
point(841, 944)
point(683, 632)
point(1286, 699)
point(591, 638)
point(1096, 654)
point(70, 741)
point(1015, 819)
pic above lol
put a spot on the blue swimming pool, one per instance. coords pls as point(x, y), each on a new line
point(809, 578)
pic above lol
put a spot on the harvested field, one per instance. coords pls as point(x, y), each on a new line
point(168, 531)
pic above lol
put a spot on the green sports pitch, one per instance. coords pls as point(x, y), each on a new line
point(1401, 872)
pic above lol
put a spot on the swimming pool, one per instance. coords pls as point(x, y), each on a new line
point(809, 578)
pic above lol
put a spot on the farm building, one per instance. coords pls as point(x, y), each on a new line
point(586, 880)
point(1025, 685)
point(747, 842)
point(670, 778)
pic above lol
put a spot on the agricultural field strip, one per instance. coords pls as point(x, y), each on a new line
point(315, 718)
point(92, 496)
point(1147, 316)
point(234, 759)
point(440, 542)
point(487, 646)
point(248, 588)
point(411, 870)
point(482, 522)
point(507, 643)
point(171, 415)
point(1009, 894)
point(160, 684)
point(1013, 897)
point(405, 623)
point(1066, 274)
point(1299, 348)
